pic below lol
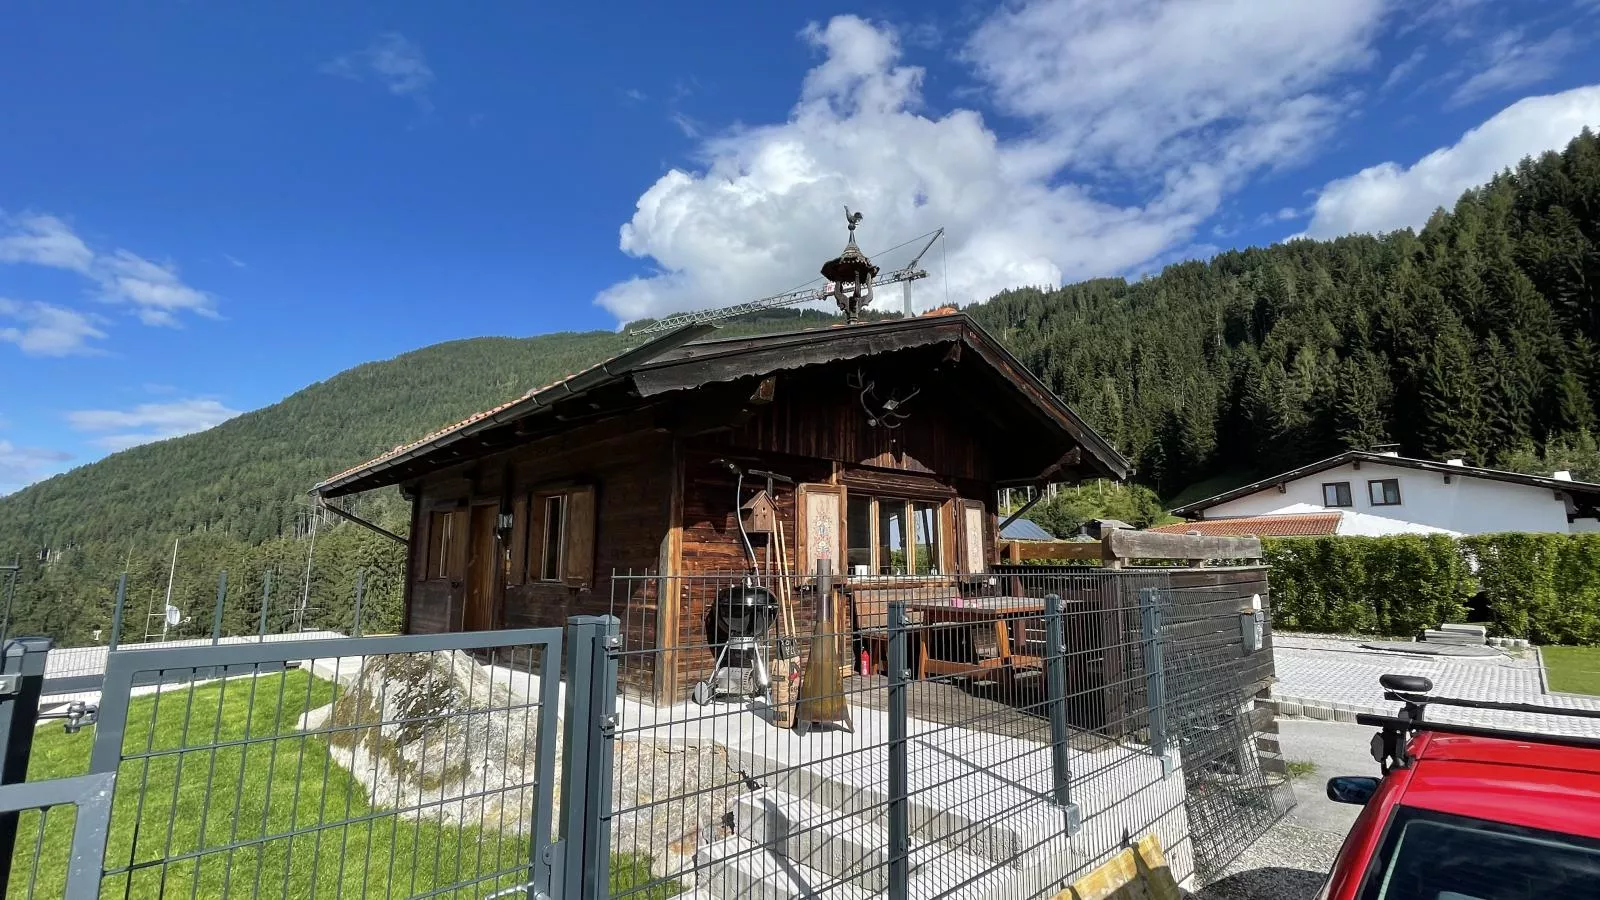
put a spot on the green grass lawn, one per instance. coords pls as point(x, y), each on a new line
point(275, 817)
point(1574, 670)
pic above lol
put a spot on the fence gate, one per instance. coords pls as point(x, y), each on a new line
point(420, 765)
point(1229, 798)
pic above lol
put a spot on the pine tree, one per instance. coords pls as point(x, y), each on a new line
point(1451, 402)
point(1361, 395)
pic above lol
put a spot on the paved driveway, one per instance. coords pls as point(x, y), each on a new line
point(1326, 677)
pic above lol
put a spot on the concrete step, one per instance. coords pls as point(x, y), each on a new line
point(1435, 636)
point(816, 836)
point(976, 800)
point(857, 849)
point(1481, 632)
point(733, 868)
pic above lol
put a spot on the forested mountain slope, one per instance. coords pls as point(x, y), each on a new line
point(1477, 337)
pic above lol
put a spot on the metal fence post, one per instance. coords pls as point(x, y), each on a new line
point(1154, 668)
point(581, 858)
point(899, 764)
point(222, 597)
point(361, 584)
point(21, 685)
point(1055, 673)
point(116, 612)
point(266, 597)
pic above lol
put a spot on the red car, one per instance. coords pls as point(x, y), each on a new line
point(1467, 812)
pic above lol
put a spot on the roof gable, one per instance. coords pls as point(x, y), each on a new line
point(675, 363)
point(1587, 490)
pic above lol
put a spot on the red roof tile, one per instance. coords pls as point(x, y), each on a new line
point(1292, 525)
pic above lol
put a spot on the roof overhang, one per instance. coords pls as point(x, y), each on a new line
point(676, 363)
point(1582, 493)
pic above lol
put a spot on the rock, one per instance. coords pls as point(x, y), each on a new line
point(432, 730)
point(443, 741)
point(675, 795)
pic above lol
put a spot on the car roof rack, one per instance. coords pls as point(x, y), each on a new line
point(1389, 746)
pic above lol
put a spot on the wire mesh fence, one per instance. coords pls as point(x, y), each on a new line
point(409, 766)
point(977, 736)
point(982, 736)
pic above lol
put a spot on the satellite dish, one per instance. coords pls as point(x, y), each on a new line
point(174, 617)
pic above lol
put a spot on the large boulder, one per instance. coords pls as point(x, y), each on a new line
point(437, 736)
point(441, 737)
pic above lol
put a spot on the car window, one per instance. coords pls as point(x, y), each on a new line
point(1435, 856)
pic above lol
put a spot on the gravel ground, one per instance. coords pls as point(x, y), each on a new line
point(1292, 859)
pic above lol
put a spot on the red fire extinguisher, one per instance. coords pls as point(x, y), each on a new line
point(866, 664)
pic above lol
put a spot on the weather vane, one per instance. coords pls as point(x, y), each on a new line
point(851, 273)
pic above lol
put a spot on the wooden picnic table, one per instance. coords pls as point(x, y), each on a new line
point(948, 637)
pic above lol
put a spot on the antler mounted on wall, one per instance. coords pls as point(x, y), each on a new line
point(881, 413)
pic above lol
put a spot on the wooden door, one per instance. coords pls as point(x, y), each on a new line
point(478, 612)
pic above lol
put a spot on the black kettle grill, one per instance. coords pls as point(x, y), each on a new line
point(740, 616)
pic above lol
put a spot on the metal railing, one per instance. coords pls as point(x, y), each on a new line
point(994, 735)
point(997, 735)
point(413, 766)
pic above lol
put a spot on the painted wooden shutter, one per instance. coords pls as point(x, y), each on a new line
point(974, 547)
point(821, 528)
point(578, 567)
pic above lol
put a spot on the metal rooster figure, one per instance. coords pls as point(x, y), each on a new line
point(851, 274)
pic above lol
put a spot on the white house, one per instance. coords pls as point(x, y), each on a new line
point(1365, 493)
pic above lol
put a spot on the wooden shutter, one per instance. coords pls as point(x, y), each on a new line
point(578, 567)
point(517, 550)
point(821, 509)
point(974, 547)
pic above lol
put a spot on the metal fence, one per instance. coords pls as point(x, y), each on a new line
point(986, 737)
point(736, 737)
point(389, 766)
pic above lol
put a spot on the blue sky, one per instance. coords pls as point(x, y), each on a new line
point(205, 207)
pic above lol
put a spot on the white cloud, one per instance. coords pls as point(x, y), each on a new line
point(764, 207)
point(392, 61)
point(44, 241)
point(21, 466)
point(1512, 62)
point(1404, 68)
point(1389, 196)
point(119, 429)
point(41, 329)
point(1137, 85)
point(154, 290)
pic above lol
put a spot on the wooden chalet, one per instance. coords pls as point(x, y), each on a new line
point(896, 435)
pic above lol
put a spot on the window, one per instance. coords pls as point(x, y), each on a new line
point(924, 539)
point(1336, 493)
point(1385, 492)
point(1428, 855)
point(442, 548)
point(858, 546)
point(891, 536)
point(554, 534)
point(561, 536)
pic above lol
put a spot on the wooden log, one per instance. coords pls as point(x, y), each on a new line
point(1125, 544)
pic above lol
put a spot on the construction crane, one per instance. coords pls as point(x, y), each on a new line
point(905, 275)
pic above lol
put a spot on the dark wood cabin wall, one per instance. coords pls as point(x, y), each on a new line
point(1206, 617)
point(713, 554)
point(631, 472)
point(413, 560)
point(817, 416)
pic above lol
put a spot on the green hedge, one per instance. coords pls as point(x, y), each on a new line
point(1544, 587)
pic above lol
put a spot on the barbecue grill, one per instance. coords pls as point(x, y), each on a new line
point(740, 618)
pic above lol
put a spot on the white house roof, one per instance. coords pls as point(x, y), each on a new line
point(1584, 494)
